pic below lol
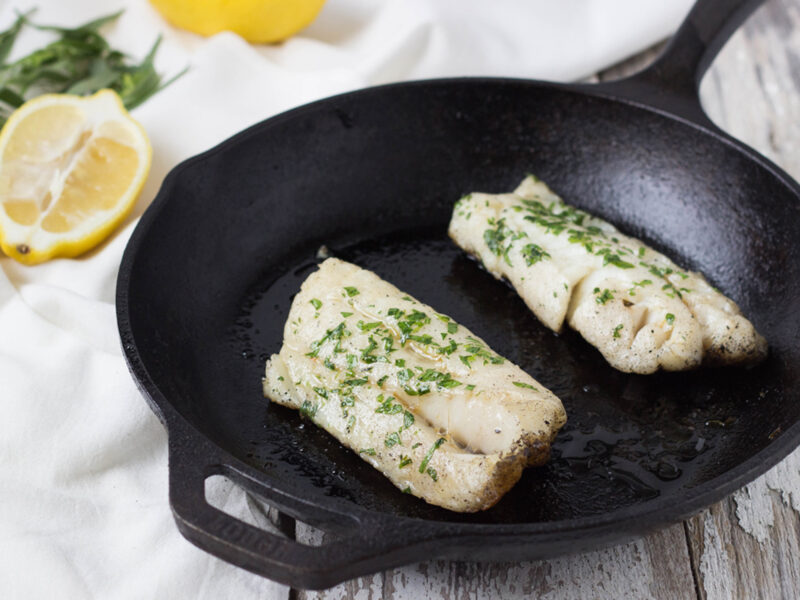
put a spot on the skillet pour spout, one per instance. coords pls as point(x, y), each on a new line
point(355, 172)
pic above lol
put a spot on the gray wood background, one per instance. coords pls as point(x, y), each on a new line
point(748, 545)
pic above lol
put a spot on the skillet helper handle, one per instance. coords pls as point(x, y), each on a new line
point(672, 82)
point(361, 550)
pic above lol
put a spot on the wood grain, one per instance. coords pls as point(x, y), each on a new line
point(656, 566)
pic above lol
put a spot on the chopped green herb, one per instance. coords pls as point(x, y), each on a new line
point(449, 349)
point(452, 327)
point(366, 353)
point(603, 297)
point(669, 318)
point(524, 385)
point(427, 459)
point(368, 326)
point(443, 380)
point(321, 392)
point(413, 323)
point(420, 390)
point(494, 239)
point(533, 253)
point(636, 284)
point(382, 380)
point(392, 439)
point(331, 334)
point(400, 362)
point(389, 407)
point(409, 299)
point(641, 251)
point(408, 420)
point(614, 259)
point(476, 348)
point(417, 445)
point(351, 291)
point(315, 303)
point(418, 317)
point(471, 387)
point(355, 382)
point(616, 330)
point(308, 409)
point(347, 314)
point(280, 377)
point(670, 290)
point(432, 473)
point(370, 451)
point(404, 461)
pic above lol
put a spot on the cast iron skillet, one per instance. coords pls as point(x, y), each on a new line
point(208, 276)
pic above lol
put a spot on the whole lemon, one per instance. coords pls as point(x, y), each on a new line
point(258, 21)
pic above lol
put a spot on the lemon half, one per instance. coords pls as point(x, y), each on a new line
point(258, 21)
point(70, 171)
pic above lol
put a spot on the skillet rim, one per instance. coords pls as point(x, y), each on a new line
point(635, 519)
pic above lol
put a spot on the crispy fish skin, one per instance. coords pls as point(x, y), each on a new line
point(636, 306)
point(415, 394)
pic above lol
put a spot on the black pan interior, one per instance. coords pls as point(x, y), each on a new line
point(373, 176)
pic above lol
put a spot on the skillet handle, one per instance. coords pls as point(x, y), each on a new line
point(363, 548)
point(672, 82)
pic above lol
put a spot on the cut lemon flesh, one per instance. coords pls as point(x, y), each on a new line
point(71, 169)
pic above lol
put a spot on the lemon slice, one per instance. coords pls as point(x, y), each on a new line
point(70, 171)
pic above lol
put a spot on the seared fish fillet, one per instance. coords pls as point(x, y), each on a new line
point(632, 303)
point(415, 394)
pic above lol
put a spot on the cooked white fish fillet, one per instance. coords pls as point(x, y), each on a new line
point(632, 303)
point(417, 395)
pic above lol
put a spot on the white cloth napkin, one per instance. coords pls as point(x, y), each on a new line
point(83, 465)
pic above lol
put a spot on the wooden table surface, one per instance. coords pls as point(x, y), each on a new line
point(748, 545)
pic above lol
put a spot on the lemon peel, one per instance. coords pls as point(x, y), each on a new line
point(257, 21)
point(71, 169)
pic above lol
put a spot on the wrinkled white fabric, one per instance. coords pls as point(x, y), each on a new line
point(83, 465)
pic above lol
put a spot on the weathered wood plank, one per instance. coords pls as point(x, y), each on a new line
point(747, 546)
point(656, 566)
point(752, 90)
point(633, 65)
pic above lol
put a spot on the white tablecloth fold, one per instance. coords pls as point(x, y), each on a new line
point(83, 479)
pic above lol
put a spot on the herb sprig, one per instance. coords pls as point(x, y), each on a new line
point(79, 62)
